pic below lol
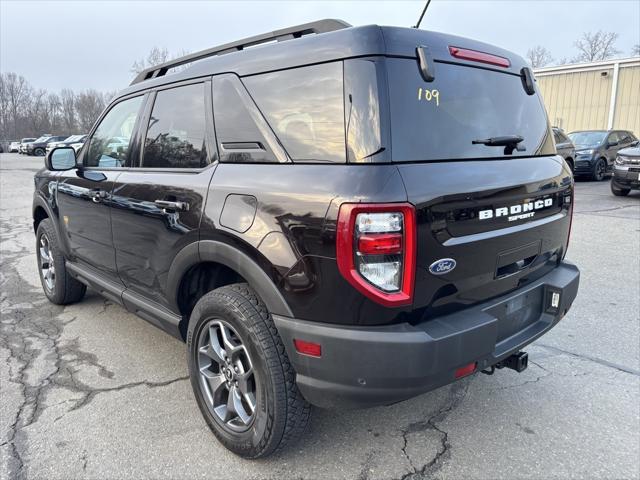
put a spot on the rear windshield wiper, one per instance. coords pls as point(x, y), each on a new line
point(509, 142)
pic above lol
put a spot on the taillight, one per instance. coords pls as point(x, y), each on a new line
point(376, 250)
point(476, 56)
point(571, 208)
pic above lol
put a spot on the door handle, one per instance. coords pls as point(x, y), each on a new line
point(98, 195)
point(175, 206)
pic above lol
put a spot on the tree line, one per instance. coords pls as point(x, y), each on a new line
point(590, 47)
point(26, 111)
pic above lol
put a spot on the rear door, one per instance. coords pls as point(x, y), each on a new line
point(500, 212)
point(158, 203)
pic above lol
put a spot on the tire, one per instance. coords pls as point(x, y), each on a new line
point(39, 152)
point(570, 163)
point(599, 170)
point(281, 413)
point(619, 192)
point(59, 287)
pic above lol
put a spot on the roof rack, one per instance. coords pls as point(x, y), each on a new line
point(320, 26)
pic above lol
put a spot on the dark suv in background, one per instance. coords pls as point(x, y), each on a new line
point(596, 150)
point(564, 146)
point(39, 146)
point(344, 217)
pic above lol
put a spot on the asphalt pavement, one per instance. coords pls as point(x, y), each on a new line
point(92, 391)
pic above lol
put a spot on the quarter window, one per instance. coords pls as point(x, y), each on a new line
point(305, 108)
point(109, 144)
point(176, 131)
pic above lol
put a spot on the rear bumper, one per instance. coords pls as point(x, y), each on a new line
point(369, 366)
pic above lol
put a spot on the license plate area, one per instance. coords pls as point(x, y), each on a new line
point(517, 313)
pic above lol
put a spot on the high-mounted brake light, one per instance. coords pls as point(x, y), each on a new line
point(476, 56)
point(376, 250)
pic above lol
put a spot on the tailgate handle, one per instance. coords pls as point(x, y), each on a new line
point(513, 261)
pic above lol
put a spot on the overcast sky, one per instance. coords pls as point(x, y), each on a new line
point(92, 44)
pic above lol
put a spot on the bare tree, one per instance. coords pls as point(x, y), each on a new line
point(539, 56)
point(635, 50)
point(68, 107)
point(89, 105)
point(596, 46)
point(156, 56)
point(17, 91)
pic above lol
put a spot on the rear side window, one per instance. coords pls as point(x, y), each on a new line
point(243, 134)
point(305, 108)
point(439, 120)
point(176, 131)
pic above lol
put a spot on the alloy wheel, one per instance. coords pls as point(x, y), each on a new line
point(47, 265)
point(226, 376)
point(600, 168)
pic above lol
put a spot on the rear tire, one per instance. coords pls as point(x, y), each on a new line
point(59, 287)
point(39, 152)
point(599, 170)
point(619, 192)
point(236, 359)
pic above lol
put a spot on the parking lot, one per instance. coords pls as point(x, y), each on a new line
point(90, 390)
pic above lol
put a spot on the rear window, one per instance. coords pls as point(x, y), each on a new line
point(440, 119)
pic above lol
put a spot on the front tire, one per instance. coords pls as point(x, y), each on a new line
point(241, 376)
point(599, 170)
point(619, 192)
point(59, 287)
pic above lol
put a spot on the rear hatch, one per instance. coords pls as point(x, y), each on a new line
point(500, 212)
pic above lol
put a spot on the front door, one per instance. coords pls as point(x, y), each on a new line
point(84, 195)
point(158, 203)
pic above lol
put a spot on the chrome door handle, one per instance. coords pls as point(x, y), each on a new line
point(175, 206)
point(98, 195)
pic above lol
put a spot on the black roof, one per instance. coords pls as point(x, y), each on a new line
point(369, 40)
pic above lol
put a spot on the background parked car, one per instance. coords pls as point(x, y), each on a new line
point(564, 146)
point(596, 150)
point(14, 146)
point(23, 144)
point(74, 141)
point(626, 172)
point(39, 147)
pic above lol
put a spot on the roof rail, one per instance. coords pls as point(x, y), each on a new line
point(320, 26)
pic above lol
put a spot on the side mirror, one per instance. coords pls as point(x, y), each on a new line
point(61, 158)
point(635, 144)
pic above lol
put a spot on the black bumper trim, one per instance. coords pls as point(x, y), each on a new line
point(370, 366)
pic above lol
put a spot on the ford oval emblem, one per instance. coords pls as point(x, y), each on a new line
point(442, 266)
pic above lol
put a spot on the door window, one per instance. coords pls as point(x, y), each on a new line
point(109, 144)
point(176, 131)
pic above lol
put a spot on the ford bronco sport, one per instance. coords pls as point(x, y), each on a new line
point(344, 217)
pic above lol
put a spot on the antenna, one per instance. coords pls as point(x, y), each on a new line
point(417, 25)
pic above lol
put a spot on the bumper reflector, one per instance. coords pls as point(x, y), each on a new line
point(308, 348)
point(466, 370)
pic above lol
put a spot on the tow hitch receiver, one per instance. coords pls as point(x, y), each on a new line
point(518, 361)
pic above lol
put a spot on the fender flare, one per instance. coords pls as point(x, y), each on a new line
point(39, 201)
point(236, 260)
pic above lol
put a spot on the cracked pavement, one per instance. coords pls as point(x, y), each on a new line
point(91, 391)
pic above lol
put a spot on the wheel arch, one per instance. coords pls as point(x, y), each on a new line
point(215, 252)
